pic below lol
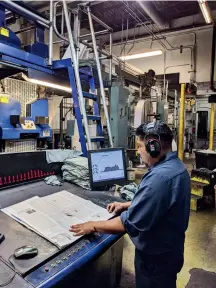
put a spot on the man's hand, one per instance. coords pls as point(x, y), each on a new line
point(82, 229)
point(113, 226)
point(117, 207)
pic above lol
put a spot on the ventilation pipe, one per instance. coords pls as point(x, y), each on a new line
point(150, 10)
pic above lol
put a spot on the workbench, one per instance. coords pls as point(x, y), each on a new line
point(92, 261)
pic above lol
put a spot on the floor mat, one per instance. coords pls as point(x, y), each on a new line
point(201, 279)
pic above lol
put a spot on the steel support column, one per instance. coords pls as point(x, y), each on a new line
point(181, 123)
point(212, 119)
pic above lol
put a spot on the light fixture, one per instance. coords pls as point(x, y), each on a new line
point(134, 69)
point(205, 11)
point(141, 55)
point(46, 84)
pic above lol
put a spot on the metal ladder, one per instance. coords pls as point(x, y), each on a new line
point(78, 95)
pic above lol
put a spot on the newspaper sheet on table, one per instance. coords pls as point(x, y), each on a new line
point(44, 219)
point(74, 206)
point(51, 216)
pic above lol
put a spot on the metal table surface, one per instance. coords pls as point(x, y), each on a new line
point(17, 235)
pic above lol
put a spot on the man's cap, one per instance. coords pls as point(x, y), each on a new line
point(157, 128)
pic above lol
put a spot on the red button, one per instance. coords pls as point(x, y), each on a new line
point(46, 269)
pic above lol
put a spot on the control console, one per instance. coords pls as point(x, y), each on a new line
point(68, 259)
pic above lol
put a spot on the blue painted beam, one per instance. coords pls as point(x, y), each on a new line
point(90, 96)
point(22, 55)
point(25, 64)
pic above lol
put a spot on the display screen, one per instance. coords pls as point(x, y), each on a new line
point(107, 165)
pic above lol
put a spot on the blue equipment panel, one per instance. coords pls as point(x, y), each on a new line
point(71, 260)
point(39, 108)
point(11, 106)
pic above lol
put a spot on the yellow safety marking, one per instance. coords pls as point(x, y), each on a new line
point(4, 32)
point(4, 99)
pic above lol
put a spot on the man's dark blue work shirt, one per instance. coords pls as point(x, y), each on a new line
point(158, 216)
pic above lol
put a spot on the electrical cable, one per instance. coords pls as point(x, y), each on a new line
point(12, 267)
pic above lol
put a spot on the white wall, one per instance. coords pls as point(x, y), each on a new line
point(203, 57)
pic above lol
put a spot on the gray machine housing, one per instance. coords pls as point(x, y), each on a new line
point(119, 115)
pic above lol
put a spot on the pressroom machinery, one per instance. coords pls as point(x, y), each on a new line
point(92, 261)
point(18, 133)
point(80, 264)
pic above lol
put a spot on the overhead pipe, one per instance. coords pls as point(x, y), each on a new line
point(155, 37)
point(26, 29)
point(98, 20)
point(55, 26)
point(62, 22)
point(150, 10)
point(9, 4)
point(51, 34)
point(67, 40)
point(102, 32)
point(103, 52)
point(212, 87)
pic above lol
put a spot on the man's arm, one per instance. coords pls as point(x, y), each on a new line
point(150, 203)
point(113, 226)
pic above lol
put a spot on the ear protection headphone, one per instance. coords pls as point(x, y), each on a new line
point(152, 144)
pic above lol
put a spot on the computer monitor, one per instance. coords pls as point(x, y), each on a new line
point(107, 167)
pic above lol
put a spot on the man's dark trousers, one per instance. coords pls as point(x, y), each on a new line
point(157, 271)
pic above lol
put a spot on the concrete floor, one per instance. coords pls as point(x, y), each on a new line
point(200, 253)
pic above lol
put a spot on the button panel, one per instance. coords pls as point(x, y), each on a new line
point(66, 258)
point(29, 124)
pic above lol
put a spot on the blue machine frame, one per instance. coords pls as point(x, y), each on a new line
point(28, 60)
point(12, 107)
point(34, 59)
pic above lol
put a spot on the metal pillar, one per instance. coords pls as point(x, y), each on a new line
point(100, 76)
point(181, 123)
point(51, 34)
point(61, 107)
point(77, 32)
point(110, 60)
point(76, 72)
point(211, 134)
point(176, 110)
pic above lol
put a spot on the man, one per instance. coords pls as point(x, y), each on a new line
point(157, 218)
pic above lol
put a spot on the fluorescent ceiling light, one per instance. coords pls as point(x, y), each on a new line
point(135, 69)
point(46, 84)
point(205, 11)
point(141, 55)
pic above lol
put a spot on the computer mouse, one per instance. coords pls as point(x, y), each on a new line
point(25, 252)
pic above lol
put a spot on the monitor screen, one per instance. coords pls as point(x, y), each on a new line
point(107, 167)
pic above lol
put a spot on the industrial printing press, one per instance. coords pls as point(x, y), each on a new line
point(21, 173)
point(18, 133)
point(78, 264)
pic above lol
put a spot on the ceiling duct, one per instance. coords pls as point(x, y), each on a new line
point(149, 8)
